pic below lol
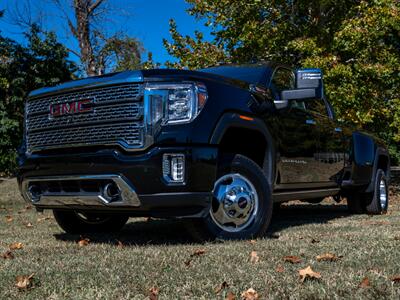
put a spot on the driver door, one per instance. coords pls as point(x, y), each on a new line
point(297, 138)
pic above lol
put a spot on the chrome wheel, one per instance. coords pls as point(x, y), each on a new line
point(235, 203)
point(382, 194)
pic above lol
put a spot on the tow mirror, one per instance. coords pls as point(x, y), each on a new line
point(310, 79)
point(297, 94)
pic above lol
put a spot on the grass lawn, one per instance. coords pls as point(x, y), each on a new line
point(159, 254)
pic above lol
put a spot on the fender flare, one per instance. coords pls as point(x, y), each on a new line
point(231, 120)
point(380, 151)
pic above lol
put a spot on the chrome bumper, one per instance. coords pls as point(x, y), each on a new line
point(125, 195)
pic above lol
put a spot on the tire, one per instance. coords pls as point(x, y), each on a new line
point(361, 203)
point(78, 222)
point(378, 200)
point(242, 203)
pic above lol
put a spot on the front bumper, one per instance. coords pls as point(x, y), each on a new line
point(143, 190)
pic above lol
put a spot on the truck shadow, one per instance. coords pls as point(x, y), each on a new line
point(142, 232)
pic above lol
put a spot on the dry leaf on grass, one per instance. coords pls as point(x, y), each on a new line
point(83, 242)
point(395, 279)
point(24, 282)
point(250, 294)
point(198, 252)
point(9, 219)
point(364, 283)
point(230, 296)
point(280, 269)
point(120, 244)
point(292, 259)
point(254, 257)
point(308, 273)
point(328, 257)
point(16, 246)
point(252, 242)
point(153, 293)
point(43, 219)
point(221, 287)
point(8, 255)
point(28, 225)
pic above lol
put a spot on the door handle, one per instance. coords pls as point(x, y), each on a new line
point(310, 122)
point(338, 129)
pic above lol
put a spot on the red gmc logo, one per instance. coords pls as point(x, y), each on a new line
point(76, 107)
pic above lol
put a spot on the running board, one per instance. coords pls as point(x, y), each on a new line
point(305, 194)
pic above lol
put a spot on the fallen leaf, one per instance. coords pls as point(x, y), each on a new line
point(198, 252)
point(250, 294)
point(254, 257)
point(308, 273)
point(28, 225)
point(154, 293)
point(252, 242)
point(280, 269)
point(328, 257)
point(83, 242)
point(16, 246)
point(43, 219)
point(8, 255)
point(221, 287)
point(9, 219)
point(395, 279)
point(230, 296)
point(292, 259)
point(120, 244)
point(24, 282)
point(364, 283)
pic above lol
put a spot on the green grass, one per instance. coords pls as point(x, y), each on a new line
point(155, 253)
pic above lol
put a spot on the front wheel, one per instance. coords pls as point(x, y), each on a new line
point(75, 222)
point(241, 207)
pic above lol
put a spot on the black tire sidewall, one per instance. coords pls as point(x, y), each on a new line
point(252, 172)
point(375, 205)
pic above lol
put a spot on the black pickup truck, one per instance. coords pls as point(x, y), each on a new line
point(220, 147)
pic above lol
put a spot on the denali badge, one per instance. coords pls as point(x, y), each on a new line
point(69, 108)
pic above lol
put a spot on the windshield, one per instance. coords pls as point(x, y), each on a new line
point(251, 74)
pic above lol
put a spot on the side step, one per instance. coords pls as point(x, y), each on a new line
point(304, 194)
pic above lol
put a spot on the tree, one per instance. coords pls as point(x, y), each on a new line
point(98, 51)
point(356, 43)
point(43, 62)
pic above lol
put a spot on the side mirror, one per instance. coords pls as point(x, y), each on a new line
point(310, 79)
point(288, 95)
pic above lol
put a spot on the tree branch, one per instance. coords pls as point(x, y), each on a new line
point(94, 6)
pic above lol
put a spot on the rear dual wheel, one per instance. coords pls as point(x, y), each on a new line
point(241, 207)
point(375, 202)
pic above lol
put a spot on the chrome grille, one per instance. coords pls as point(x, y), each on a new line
point(116, 117)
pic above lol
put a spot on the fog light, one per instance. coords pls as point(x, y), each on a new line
point(174, 168)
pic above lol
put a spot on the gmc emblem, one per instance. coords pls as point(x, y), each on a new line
point(70, 108)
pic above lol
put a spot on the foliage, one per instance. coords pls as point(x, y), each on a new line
point(42, 62)
point(356, 43)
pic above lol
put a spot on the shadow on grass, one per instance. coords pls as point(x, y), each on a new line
point(173, 232)
point(303, 214)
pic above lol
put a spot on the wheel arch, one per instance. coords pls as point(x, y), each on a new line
point(233, 125)
point(381, 161)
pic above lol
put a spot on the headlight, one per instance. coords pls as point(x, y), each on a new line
point(171, 103)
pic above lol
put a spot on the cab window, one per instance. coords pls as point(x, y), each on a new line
point(283, 79)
